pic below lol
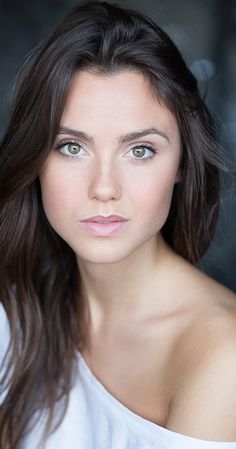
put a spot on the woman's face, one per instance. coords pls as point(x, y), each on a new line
point(117, 153)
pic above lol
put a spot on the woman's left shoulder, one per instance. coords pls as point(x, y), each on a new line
point(211, 333)
point(204, 403)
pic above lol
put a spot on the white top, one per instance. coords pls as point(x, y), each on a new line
point(97, 420)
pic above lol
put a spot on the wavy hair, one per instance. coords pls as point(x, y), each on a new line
point(40, 282)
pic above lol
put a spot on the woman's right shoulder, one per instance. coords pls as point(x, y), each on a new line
point(4, 352)
point(4, 323)
point(4, 333)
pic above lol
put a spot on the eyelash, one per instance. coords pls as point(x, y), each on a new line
point(142, 145)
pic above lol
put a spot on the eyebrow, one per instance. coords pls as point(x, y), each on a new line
point(122, 139)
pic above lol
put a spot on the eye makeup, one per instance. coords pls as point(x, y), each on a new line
point(72, 154)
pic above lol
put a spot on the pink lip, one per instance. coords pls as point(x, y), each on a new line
point(103, 219)
point(103, 229)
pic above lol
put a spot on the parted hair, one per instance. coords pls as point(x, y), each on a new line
point(39, 278)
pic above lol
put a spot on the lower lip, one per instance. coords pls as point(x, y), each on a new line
point(103, 229)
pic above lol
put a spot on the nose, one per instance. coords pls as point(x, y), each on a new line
point(104, 184)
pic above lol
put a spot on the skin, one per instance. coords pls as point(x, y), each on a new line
point(143, 301)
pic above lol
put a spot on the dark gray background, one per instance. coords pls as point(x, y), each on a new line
point(205, 32)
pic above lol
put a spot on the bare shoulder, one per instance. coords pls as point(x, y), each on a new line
point(204, 400)
point(200, 287)
point(211, 323)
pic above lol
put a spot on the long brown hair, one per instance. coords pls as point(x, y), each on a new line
point(39, 279)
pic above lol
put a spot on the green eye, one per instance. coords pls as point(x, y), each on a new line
point(73, 148)
point(143, 153)
point(139, 152)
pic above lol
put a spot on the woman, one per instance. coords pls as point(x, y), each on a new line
point(109, 195)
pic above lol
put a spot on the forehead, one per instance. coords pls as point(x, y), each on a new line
point(111, 101)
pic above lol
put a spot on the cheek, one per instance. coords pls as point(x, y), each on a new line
point(57, 192)
point(152, 196)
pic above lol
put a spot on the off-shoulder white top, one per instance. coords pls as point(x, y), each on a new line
point(97, 420)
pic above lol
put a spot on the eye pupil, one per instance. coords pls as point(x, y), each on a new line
point(139, 152)
point(73, 148)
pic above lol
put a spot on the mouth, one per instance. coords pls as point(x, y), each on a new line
point(105, 219)
point(103, 228)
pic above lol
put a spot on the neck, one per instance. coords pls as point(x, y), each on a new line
point(127, 288)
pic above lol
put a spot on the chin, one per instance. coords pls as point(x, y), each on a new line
point(101, 255)
point(100, 259)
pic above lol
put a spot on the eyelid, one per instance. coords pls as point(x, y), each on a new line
point(63, 142)
point(143, 144)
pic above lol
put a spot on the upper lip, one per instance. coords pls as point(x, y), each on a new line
point(108, 219)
